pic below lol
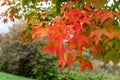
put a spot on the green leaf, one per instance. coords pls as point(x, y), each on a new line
point(112, 56)
point(97, 3)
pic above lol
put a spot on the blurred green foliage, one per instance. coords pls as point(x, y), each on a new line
point(24, 58)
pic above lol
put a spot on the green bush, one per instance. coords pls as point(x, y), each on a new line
point(24, 59)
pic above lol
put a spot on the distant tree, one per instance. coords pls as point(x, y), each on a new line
point(24, 59)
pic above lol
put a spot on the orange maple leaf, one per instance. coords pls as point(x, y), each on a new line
point(5, 20)
point(67, 6)
point(5, 2)
point(39, 32)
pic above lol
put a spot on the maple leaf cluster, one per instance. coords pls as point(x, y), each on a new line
point(68, 35)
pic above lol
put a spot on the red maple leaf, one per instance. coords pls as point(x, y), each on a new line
point(103, 15)
point(77, 15)
point(78, 40)
point(97, 33)
point(51, 46)
point(70, 58)
point(106, 15)
point(61, 62)
point(84, 63)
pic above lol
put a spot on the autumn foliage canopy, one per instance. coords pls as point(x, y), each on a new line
point(72, 29)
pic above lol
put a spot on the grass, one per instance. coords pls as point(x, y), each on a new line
point(76, 76)
point(5, 76)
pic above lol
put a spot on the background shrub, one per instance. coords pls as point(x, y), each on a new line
point(24, 59)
